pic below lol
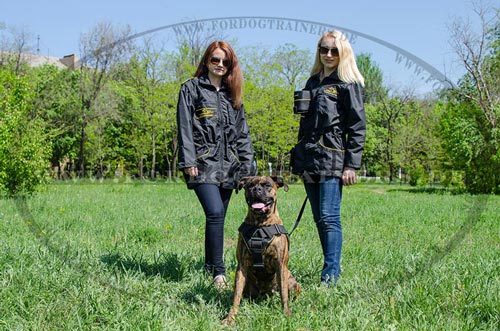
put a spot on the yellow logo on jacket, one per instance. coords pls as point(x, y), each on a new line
point(205, 112)
point(331, 91)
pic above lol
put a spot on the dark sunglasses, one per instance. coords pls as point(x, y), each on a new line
point(324, 50)
point(217, 60)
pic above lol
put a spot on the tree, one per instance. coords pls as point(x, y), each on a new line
point(24, 147)
point(268, 105)
point(374, 90)
point(391, 110)
point(99, 144)
point(56, 102)
point(102, 47)
point(374, 160)
point(374, 155)
point(291, 64)
point(416, 147)
point(15, 43)
point(478, 98)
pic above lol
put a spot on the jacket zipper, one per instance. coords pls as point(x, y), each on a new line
point(222, 133)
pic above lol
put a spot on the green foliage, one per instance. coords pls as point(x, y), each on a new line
point(56, 101)
point(121, 121)
point(471, 146)
point(374, 88)
point(146, 102)
point(272, 123)
point(401, 134)
point(471, 113)
point(374, 154)
point(268, 94)
point(418, 149)
point(291, 65)
point(418, 175)
point(24, 147)
point(462, 136)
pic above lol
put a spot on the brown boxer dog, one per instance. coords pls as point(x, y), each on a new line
point(263, 243)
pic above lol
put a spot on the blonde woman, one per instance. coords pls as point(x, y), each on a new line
point(330, 143)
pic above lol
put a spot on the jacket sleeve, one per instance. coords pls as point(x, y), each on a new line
point(244, 144)
point(355, 125)
point(185, 111)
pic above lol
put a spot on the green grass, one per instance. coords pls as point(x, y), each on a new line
point(129, 256)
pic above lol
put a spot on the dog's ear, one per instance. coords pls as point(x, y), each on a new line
point(280, 182)
point(241, 184)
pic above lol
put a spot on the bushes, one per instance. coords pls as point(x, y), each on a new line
point(24, 148)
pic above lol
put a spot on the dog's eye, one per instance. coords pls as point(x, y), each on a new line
point(268, 185)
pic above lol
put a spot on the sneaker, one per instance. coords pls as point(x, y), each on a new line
point(327, 284)
point(220, 283)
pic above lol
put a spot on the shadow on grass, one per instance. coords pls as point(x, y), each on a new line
point(429, 190)
point(203, 291)
point(170, 266)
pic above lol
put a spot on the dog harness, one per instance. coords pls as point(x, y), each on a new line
point(257, 238)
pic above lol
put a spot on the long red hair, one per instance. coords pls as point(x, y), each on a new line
point(233, 78)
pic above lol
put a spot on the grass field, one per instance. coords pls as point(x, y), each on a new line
point(129, 256)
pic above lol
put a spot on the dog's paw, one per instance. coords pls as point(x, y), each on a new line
point(297, 289)
point(294, 288)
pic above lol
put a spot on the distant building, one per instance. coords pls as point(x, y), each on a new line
point(68, 61)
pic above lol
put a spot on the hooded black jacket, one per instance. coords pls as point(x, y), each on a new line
point(212, 135)
point(332, 133)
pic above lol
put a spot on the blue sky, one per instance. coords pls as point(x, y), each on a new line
point(419, 27)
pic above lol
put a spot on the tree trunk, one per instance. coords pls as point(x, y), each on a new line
point(81, 154)
point(153, 158)
point(139, 168)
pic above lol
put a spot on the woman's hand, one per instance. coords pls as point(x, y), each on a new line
point(349, 176)
point(191, 171)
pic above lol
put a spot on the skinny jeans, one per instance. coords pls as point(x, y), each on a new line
point(214, 200)
point(325, 198)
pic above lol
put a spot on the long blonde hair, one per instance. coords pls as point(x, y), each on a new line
point(347, 69)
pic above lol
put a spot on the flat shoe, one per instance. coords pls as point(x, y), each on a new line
point(220, 283)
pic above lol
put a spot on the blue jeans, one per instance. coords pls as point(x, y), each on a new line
point(214, 200)
point(325, 198)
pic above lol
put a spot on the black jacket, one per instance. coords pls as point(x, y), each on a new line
point(212, 135)
point(332, 133)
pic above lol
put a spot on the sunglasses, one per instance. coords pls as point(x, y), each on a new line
point(324, 50)
point(217, 60)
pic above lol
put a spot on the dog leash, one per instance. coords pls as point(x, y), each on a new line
point(299, 216)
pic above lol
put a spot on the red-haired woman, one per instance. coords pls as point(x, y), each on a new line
point(215, 148)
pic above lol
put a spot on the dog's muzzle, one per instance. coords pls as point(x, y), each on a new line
point(260, 207)
point(258, 201)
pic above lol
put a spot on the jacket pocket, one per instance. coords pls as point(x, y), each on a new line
point(203, 152)
point(332, 141)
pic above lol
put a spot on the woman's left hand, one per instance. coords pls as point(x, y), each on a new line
point(191, 171)
point(349, 176)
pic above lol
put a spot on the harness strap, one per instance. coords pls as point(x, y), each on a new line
point(257, 238)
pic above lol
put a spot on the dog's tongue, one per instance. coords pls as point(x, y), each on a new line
point(258, 205)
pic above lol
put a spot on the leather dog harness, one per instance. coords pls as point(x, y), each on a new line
point(257, 238)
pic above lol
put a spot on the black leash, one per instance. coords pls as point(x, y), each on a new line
point(299, 216)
